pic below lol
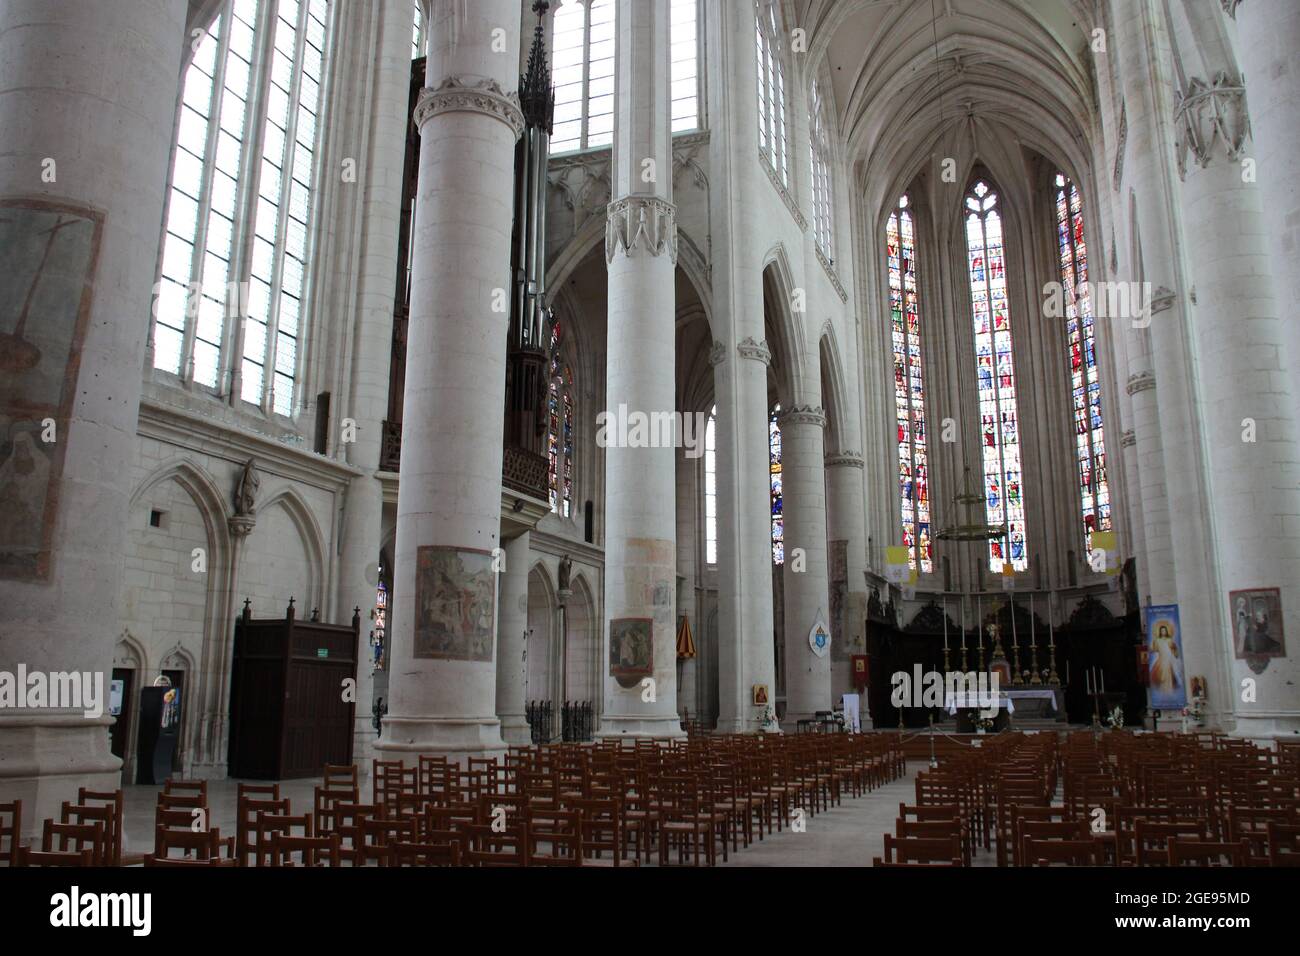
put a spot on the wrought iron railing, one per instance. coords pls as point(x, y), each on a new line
point(577, 721)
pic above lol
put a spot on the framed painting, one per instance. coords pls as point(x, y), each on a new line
point(1256, 618)
point(48, 256)
point(631, 649)
point(455, 604)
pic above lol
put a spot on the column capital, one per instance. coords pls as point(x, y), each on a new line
point(1128, 438)
point(802, 415)
point(718, 354)
point(758, 351)
point(456, 94)
point(1211, 115)
point(847, 459)
point(1230, 7)
point(641, 222)
point(1140, 382)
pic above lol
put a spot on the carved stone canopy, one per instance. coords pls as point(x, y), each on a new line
point(1211, 117)
point(850, 459)
point(641, 224)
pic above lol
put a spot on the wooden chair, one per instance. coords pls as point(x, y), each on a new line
point(932, 829)
point(82, 836)
point(1041, 831)
point(325, 805)
point(942, 850)
point(602, 833)
point(562, 834)
point(151, 860)
point(339, 777)
point(682, 821)
point(1283, 844)
point(425, 854)
point(114, 800)
point(1184, 852)
point(200, 844)
point(29, 857)
point(348, 818)
point(266, 825)
point(11, 829)
point(310, 850)
point(1151, 843)
point(247, 808)
point(1045, 852)
point(488, 847)
point(378, 834)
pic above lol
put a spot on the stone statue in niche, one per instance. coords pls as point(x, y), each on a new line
point(246, 490)
point(566, 569)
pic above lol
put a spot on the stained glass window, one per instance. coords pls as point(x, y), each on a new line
point(559, 430)
point(1085, 385)
point(909, 395)
point(711, 489)
point(773, 142)
point(231, 178)
point(582, 70)
point(774, 464)
point(820, 148)
point(995, 368)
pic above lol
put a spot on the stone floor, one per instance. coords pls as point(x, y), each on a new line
point(850, 834)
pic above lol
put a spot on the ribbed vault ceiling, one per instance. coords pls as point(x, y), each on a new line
point(909, 77)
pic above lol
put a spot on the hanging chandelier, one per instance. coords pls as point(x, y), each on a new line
point(968, 528)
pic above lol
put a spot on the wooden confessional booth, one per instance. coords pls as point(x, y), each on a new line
point(288, 712)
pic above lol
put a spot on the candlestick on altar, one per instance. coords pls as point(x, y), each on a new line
point(947, 666)
point(1034, 676)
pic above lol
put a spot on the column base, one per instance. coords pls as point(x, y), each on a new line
point(515, 730)
point(613, 725)
point(45, 758)
point(1277, 727)
point(457, 737)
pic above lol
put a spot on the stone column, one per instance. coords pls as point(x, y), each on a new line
point(1165, 417)
point(364, 272)
point(641, 253)
point(690, 552)
point(443, 671)
point(1268, 34)
point(740, 361)
point(512, 623)
point(1246, 392)
point(87, 110)
point(846, 514)
point(803, 487)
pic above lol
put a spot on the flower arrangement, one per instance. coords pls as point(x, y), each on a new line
point(983, 724)
point(1115, 719)
point(1195, 710)
point(768, 721)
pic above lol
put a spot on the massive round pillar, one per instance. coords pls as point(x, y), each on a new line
point(442, 690)
point(807, 602)
point(640, 479)
point(87, 106)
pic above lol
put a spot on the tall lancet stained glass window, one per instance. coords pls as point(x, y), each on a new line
point(995, 367)
point(774, 466)
point(909, 395)
point(559, 430)
point(1085, 386)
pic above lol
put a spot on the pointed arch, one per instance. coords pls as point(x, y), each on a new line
point(833, 389)
point(304, 521)
point(782, 324)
